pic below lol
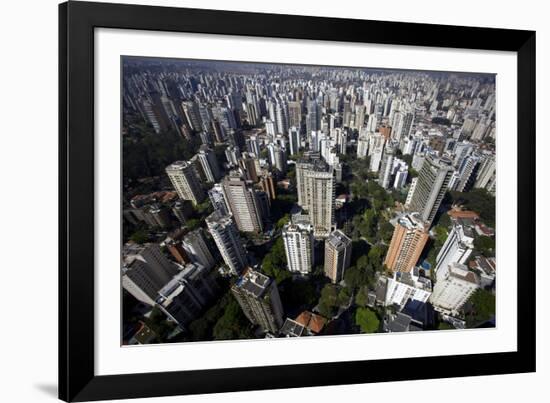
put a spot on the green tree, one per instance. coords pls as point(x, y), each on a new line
point(192, 224)
point(444, 326)
point(485, 245)
point(140, 236)
point(274, 263)
point(478, 200)
point(328, 302)
point(482, 309)
point(282, 221)
point(233, 324)
point(386, 231)
point(159, 324)
point(367, 320)
point(356, 276)
point(362, 296)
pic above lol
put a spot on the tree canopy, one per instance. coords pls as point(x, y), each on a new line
point(367, 320)
point(274, 263)
point(482, 309)
point(478, 200)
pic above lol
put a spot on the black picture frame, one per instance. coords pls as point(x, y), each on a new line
point(77, 21)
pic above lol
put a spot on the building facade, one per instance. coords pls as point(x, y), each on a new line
point(337, 255)
point(258, 296)
point(409, 238)
point(185, 181)
point(430, 187)
point(298, 241)
point(451, 292)
point(227, 239)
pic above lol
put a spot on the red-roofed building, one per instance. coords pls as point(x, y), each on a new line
point(312, 322)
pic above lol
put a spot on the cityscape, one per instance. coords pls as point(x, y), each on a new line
point(266, 201)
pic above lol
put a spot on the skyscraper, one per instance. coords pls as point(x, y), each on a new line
point(259, 299)
point(295, 114)
point(376, 150)
point(294, 139)
point(185, 182)
point(431, 185)
point(315, 180)
point(337, 255)
point(209, 163)
point(452, 291)
point(302, 167)
point(187, 293)
point(386, 169)
point(467, 173)
point(226, 236)
point(298, 241)
point(408, 240)
point(267, 184)
point(243, 203)
point(199, 248)
point(217, 198)
point(362, 144)
point(313, 117)
point(192, 114)
point(456, 249)
point(277, 157)
point(145, 271)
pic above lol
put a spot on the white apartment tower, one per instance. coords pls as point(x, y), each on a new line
point(456, 249)
point(298, 241)
point(243, 203)
point(185, 181)
point(145, 271)
point(198, 248)
point(226, 236)
point(451, 292)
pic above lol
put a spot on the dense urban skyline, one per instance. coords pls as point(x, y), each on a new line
point(272, 200)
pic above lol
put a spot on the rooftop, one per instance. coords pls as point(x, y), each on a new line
point(411, 221)
point(253, 282)
point(338, 240)
point(292, 328)
point(315, 323)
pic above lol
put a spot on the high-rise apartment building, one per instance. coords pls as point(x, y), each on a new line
point(294, 139)
point(295, 114)
point(259, 299)
point(267, 184)
point(362, 144)
point(313, 117)
point(199, 249)
point(185, 181)
point(209, 163)
point(217, 198)
point(468, 173)
point(145, 271)
point(386, 168)
point(456, 249)
point(277, 157)
point(184, 297)
point(243, 203)
point(409, 238)
point(376, 150)
point(298, 240)
point(317, 186)
point(227, 239)
point(403, 287)
point(337, 255)
point(452, 291)
point(431, 185)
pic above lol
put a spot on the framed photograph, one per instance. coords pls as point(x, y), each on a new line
point(258, 201)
